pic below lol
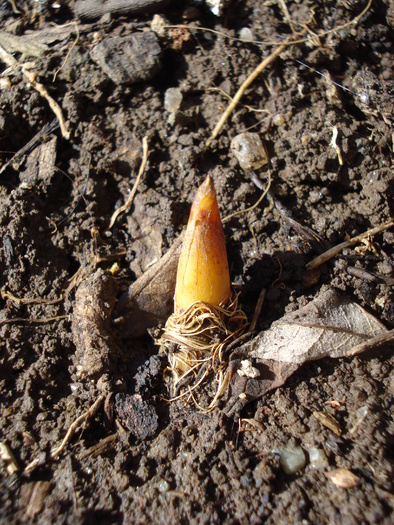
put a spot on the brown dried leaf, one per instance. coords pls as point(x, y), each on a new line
point(330, 326)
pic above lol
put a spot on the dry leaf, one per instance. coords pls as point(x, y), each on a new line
point(150, 299)
point(330, 326)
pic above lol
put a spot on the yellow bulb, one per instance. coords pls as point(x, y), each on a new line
point(203, 273)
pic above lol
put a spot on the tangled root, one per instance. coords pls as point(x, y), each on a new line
point(195, 341)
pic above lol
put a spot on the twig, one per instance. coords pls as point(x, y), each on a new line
point(353, 21)
point(283, 6)
point(83, 418)
point(12, 62)
point(373, 343)
point(69, 51)
point(130, 198)
point(239, 94)
point(8, 295)
point(332, 252)
point(257, 310)
point(240, 212)
point(32, 321)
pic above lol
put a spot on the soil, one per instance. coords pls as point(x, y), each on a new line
point(139, 458)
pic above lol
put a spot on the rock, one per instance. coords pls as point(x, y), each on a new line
point(137, 415)
point(249, 151)
point(128, 60)
point(292, 459)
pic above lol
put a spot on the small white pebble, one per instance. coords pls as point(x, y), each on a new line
point(292, 459)
point(158, 26)
point(249, 151)
point(278, 120)
point(247, 370)
point(163, 486)
point(317, 458)
point(246, 34)
point(172, 99)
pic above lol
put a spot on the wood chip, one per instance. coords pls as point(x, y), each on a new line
point(343, 478)
point(328, 421)
point(36, 503)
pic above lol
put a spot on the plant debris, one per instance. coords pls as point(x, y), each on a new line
point(330, 326)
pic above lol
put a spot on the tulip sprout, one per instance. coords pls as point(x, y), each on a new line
point(206, 314)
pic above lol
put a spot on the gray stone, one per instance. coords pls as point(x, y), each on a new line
point(128, 60)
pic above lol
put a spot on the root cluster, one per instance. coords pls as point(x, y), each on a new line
point(195, 341)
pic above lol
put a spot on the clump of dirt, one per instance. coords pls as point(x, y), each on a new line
point(71, 310)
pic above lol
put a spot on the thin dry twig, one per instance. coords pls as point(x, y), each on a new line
point(12, 62)
point(320, 34)
point(373, 343)
point(8, 295)
point(239, 94)
point(69, 51)
point(32, 321)
point(333, 252)
point(283, 6)
point(83, 418)
point(240, 212)
point(257, 310)
point(130, 198)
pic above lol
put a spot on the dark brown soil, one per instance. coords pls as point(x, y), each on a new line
point(169, 463)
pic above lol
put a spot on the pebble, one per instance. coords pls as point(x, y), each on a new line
point(249, 151)
point(163, 486)
point(318, 458)
point(246, 34)
point(130, 59)
point(292, 459)
point(159, 26)
point(172, 99)
point(278, 120)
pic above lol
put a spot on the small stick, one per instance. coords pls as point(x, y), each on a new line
point(239, 94)
point(8, 295)
point(32, 321)
point(360, 273)
point(83, 418)
point(332, 252)
point(283, 6)
point(371, 344)
point(130, 198)
point(12, 62)
point(257, 310)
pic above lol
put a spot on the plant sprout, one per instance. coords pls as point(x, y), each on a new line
point(206, 314)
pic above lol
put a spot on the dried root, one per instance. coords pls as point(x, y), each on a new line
point(195, 340)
